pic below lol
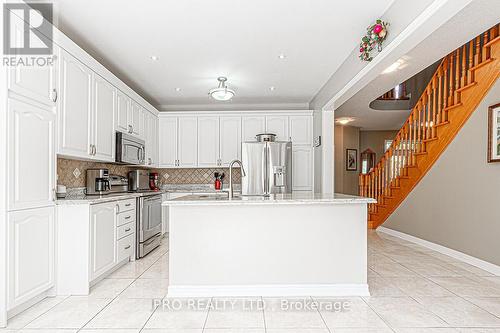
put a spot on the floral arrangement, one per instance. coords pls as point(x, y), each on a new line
point(375, 36)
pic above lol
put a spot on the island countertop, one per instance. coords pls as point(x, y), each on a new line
point(288, 198)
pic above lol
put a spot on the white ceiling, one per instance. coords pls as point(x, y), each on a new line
point(198, 40)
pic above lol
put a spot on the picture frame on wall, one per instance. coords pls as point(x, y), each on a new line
point(494, 133)
point(351, 159)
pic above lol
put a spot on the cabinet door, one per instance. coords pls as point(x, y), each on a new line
point(155, 156)
point(302, 169)
point(102, 238)
point(168, 142)
point(208, 141)
point(30, 254)
point(301, 130)
point(104, 109)
point(75, 107)
point(122, 112)
point(136, 119)
point(230, 139)
point(151, 132)
point(35, 82)
point(278, 125)
point(188, 142)
point(251, 126)
point(31, 162)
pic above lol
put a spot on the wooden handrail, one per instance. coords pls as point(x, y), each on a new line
point(442, 94)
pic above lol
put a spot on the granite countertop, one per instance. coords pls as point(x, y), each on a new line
point(292, 198)
point(77, 196)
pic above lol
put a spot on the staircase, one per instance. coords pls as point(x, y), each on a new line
point(459, 84)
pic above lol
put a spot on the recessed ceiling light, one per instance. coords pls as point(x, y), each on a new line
point(344, 120)
point(177, 89)
point(282, 56)
point(272, 88)
point(154, 58)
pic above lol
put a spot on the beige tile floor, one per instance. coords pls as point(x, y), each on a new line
point(413, 290)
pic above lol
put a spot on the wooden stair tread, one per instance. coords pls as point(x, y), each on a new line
point(493, 41)
point(431, 139)
point(470, 85)
point(448, 108)
point(421, 153)
point(442, 123)
point(484, 63)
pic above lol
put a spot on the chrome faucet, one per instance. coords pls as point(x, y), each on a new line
point(231, 193)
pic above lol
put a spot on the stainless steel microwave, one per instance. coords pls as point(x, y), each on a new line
point(129, 149)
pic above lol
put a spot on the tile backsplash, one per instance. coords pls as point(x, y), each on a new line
point(71, 173)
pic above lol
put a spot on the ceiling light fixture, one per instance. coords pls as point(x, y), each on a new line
point(344, 120)
point(154, 58)
point(222, 92)
point(177, 89)
point(272, 88)
point(282, 56)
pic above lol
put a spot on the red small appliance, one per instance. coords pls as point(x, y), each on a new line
point(154, 182)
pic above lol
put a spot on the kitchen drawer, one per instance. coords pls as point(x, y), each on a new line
point(125, 230)
point(125, 247)
point(125, 218)
point(126, 205)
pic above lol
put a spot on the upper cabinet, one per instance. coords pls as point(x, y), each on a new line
point(31, 156)
point(187, 146)
point(251, 126)
point(122, 112)
point(151, 133)
point(75, 108)
point(208, 141)
point(136, 119)
point(103, 136)
point(301, 130)
point(278, 125)
point(230, 139)
point(168, 142)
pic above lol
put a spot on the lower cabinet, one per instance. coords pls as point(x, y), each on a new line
point(302, 168)
point(103, 238)
point(30, 254)
point(92, 241)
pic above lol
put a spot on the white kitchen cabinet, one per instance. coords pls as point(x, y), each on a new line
point(230, 139)
point(75, 107)
point(103, 136)
point(122, 112)
point(187, 142)
point(102, 238)
point(302, 168)
point(208, 141)
point(31, 155)
point(301, 130)
point(168, 141)
point(251, 126)
point(136, 119)
point(30, 256)
point(278, 125)
point(151, 136)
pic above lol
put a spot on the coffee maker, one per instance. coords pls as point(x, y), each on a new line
point(97, 182)
point(154, 182)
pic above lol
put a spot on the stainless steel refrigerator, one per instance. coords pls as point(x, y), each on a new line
point(268, 166)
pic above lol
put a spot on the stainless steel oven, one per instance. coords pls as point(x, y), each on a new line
point(129, 149)
point(148, 223)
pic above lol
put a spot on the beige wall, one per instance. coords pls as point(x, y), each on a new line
point(457, 203)
point(375, 141)
point(346, 137)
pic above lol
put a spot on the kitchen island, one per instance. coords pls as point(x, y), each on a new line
point(283, 245)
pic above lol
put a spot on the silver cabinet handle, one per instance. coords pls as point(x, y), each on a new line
point(127, 217)
point(54, 95)
point(127, 247)
point(130, 129)
point(128, 205)
point(128, 229)
point(91, 147)
point(117, 209)
point(95, 150)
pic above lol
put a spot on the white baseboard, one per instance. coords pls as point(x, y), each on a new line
point(336, 290)
point(484, 265)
